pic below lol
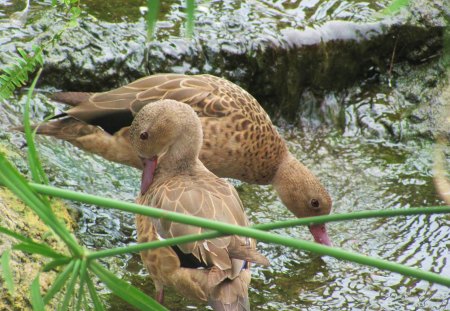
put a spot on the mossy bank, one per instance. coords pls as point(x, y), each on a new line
point(17, 217)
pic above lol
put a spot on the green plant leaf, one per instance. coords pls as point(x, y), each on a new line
point(33, 158)
point(28, 245)
point(36, 299)
point(98, 306)
point(59, 282)
point(267, 237)
point(41, 249)
point(8, 71)
point(152, 17)
point(22, 53)
point(190, 10)
point(6, 271)
point(56, 263)
point(75, 11)
point(16, 235)
point(125, 290)
point(395, 6)
point(71, 286)
point(83, 276)
point(10, 177)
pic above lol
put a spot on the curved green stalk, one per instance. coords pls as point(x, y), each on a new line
point(59, 282)
point(124, 290)
point(6, 271)
point(265, 236)
point(70, 291)
point(152, 17)
point(98, 306)
point(83, 275)
point(270, 226)
point(11, 178)
point(190, 10)
point(191, 220)
point(37, 172)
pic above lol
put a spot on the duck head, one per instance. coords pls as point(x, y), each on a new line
point(163, 129)
point(303, 195)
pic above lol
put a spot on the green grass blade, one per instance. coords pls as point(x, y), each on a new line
point(16, 235)
point(83, 276)
point(56, 263)
point(6, 271)
point(36, 299)
point(125, 290)
point(152, 17)
point(98, 306)
point(190, 10)
point(59, 282)
point(33, 158)
point(86, 304)
point(395, 6)
point(43, 250)
point(268, 237)
point(71, 286)
point(11, 178)
point(153, 244)
point(191, 220)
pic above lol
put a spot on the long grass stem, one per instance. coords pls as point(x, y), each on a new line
point(267, 237)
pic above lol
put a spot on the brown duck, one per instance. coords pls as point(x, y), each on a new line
point(167, 137)
point(239, 140)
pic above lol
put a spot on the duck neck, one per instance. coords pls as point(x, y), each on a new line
point(183, 154)
point(291, 178)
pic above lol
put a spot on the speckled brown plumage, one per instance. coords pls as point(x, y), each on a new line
point(231, 118)
point(181, 183)
point(239, 139)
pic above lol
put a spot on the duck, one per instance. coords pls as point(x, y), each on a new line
point(239, 139)
point(167, 137)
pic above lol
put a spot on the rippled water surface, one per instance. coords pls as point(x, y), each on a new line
point(293, 13)
point(354, 156)
point(361, 173)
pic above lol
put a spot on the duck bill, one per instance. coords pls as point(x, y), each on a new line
point(148, 173)
point(320, 234)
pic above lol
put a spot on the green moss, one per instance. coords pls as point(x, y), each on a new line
point(18, 217)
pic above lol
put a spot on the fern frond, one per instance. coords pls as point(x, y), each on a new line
point(16, 75)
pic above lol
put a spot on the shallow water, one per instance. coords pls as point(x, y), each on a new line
point(361, 171)
point(285, 12)
point(289, 12)
point(365, 166)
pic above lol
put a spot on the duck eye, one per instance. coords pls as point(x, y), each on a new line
point(143, 136)
point(315, 204)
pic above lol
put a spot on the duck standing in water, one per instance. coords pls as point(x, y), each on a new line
point(239, 140)
point(167, 137)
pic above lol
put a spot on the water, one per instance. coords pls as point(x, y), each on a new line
point(293, 13)
point(361, 171)
point(359, 142)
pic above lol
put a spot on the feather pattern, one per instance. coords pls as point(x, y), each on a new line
point(215, 270)
point(239, 140)
point(245, 128)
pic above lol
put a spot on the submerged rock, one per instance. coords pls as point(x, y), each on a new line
point(275, 51)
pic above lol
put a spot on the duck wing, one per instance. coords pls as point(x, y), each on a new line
point(211, 198)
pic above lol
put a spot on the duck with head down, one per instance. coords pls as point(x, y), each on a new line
point(167, 137)
point(239, 139)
